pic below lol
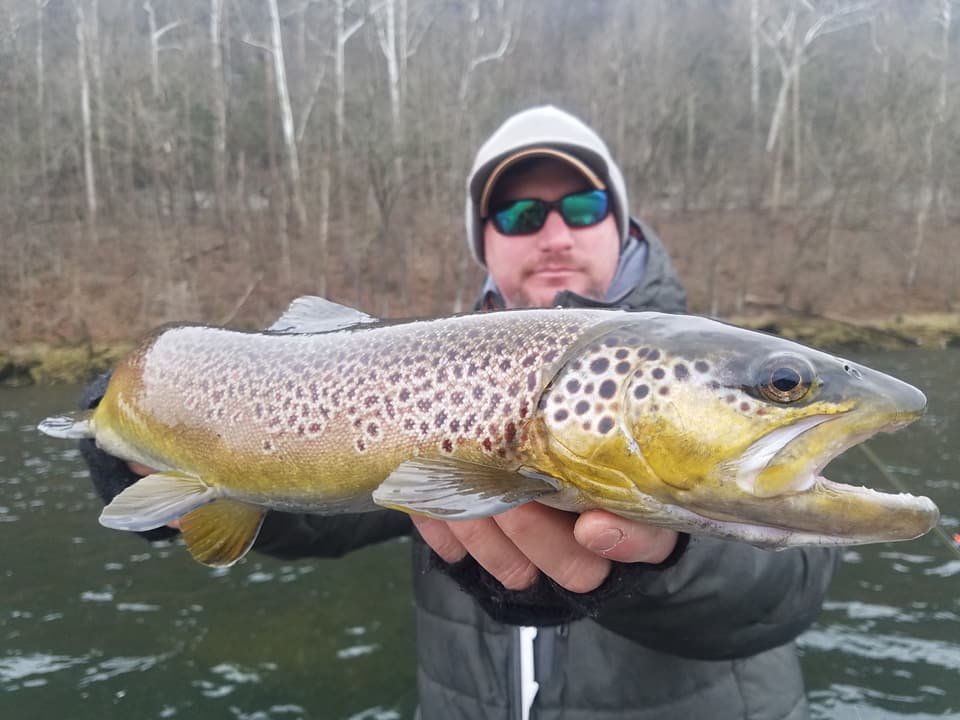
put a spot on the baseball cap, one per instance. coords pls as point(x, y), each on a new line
point(544, 131)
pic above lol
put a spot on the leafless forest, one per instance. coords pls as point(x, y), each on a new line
point(210, 159)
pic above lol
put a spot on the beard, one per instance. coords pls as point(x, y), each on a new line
point(523, 298)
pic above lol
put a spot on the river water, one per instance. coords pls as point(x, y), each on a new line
point(97, 623)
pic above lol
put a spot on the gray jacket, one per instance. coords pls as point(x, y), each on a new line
point(707, 634)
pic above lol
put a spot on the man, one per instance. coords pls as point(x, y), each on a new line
point(631, 621)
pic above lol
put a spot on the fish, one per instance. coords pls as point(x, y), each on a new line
point(680, 421)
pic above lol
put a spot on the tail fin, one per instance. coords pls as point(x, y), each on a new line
point(73, 426)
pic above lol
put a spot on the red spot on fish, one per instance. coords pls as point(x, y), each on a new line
point(447, 445)
point(487, 445)
point(510, 432)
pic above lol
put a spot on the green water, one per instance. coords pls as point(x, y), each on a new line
point(99, 624)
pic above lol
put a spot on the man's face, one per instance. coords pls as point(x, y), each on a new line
point(530, 270)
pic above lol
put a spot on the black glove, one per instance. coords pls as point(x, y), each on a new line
point(110, 475)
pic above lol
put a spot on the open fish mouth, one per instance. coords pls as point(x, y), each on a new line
point(810, 509)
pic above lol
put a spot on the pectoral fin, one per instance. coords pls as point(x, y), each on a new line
point(156, 500)
point(222, 532)
point(451, 489)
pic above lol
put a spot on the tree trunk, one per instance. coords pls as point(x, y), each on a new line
point(44, 189)
point(87, 131)
point(932, 171)
point(219, 93)
point(286, 118)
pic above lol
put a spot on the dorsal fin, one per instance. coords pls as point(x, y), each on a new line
point(313, 314)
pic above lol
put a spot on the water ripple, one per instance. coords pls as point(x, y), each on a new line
point(877, 646)
point(19, 667)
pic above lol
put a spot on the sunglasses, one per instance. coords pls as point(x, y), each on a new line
point(578, 210)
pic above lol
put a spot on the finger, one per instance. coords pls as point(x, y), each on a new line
point(623, 540)
point(545, 536)
point(439, 537)
point(486, 542)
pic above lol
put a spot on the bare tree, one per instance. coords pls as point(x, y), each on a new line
point(932, 168)
point(219, 92)
point(89, 175)
point(292, 154)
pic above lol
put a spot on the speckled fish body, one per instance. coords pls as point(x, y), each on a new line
point(675, 420)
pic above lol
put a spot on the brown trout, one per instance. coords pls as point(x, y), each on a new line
point(679, 421)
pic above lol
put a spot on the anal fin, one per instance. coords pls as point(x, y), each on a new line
point(220, 533)
point(452, 489)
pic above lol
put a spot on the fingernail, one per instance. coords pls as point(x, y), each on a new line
point(606, 541)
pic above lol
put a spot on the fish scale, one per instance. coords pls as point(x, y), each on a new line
point(678, 421)
point(462, 385)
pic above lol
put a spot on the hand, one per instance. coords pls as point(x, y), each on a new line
point(574, 551)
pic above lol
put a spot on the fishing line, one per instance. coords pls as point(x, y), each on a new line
point(892, 479)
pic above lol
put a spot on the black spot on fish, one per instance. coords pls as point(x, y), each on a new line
point(514, 389)
point(586, 425)
point(680, 372)
point(744, 406)
point(505, 364)
point(582, 407)
point(404, 395)
point(622, 354)
point(599, 365)
point(622, 368)
point(361, 445)
point(608, 388)
point(665, 390)
point(653, 355)
point(561, 415)
point(529, 360)
point(456, 398)
point(478, 392)
point(454, 426)
point(424, 404)
point(531, 381)
point(550, 356)
point(612, 341)
point(605, 425)
point(373, 430)
point(573, 386)
point(701, 366)
point(588, 388)
point(658, 373)
point(641, 391)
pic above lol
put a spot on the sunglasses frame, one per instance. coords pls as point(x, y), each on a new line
point(549, 206)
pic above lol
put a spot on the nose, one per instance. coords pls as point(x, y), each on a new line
point(554, 235)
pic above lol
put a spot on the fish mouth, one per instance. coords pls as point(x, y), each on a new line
point(811, 509)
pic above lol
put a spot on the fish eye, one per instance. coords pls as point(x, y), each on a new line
point(785, 379)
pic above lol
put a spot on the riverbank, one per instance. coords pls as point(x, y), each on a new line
point(46, 364)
